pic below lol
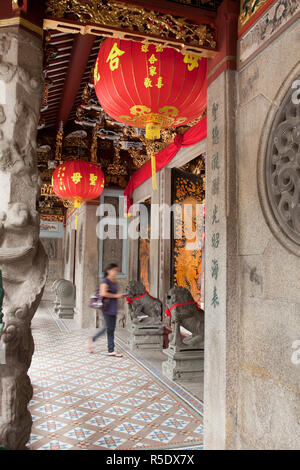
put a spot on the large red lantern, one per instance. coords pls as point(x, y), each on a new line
point(148, 86)
point(78, 181)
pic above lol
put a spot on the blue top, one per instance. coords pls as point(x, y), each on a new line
point(111, 305)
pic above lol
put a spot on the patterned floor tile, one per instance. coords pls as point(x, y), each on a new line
point(127, 374)
point(136, 383)
point(86, 392)
point(155, 387)
point(118, 410)
point(133, 401)
point(109, 396)
point(68, 400)
point(123, 389)
point(115, 379)
point(32, 402)
point(100, 421)
point(79, 433)
point(166, 398)
point(34, 438)
point(92, 405)
point(81, 381)
point(51, 426)
point(46, 394)
point(199, 429)
point(183, 412)
point(161, 436)
point(128, 428)
point(73, 415)
point(95, 375)
point(147, 394)
point(64, 387)
point(110, 442)
point(94, 401)
point(159, 406)
point(100, 386)
point(55, 445)
point(147, 417)
point(48, 409)
point(175, 423)
point(34, 417)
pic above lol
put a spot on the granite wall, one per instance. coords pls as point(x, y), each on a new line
point(252, 301)
point(269, 261)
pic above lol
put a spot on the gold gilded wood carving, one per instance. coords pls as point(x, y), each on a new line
point(249, 8)
point(117, 167)
point(187, 264)
point(134, 19)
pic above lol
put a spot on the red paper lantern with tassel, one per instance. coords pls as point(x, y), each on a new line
point(148, 86)
point(78, 181)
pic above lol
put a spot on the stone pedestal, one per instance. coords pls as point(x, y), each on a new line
point(146, 337)
point(56, 301)
point(183, 364)
point(66, 312)
point(64, 303)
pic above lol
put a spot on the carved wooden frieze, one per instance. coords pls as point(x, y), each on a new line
point(270, 22)
point(120, 19)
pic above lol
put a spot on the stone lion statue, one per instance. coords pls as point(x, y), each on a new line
point(189, 316)
point(143, 308)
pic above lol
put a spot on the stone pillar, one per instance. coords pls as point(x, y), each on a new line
point(22, 258)
point(86, 263)
point(69, 247)
point(221, 306)
point(155, 242)
point(165, 244)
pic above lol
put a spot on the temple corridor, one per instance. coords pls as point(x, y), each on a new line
point(149, 184)
point(93, 401)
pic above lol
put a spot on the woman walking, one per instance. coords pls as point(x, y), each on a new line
point(109, 293)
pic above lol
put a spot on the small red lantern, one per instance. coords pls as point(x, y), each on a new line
point(149, 86)
point(78, 181)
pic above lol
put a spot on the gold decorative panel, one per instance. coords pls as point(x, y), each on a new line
point(144, 252)
point(186, 264)
point(249, 8)
point(131, 22)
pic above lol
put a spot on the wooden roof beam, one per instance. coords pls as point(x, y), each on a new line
point(80, 55)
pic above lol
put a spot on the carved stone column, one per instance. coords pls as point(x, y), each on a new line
point(22, 258)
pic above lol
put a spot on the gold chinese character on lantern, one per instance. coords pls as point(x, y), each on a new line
point(113, 57)
point(76, 177)
point(93, 179)
point(159, 48)
point(145, 47)
point(159, 82)
point(152, 59)
point(191, 60)
point(152, 70)
point(96, 73)
point(147, 82)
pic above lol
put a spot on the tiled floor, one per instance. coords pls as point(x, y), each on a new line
point(93, 401)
